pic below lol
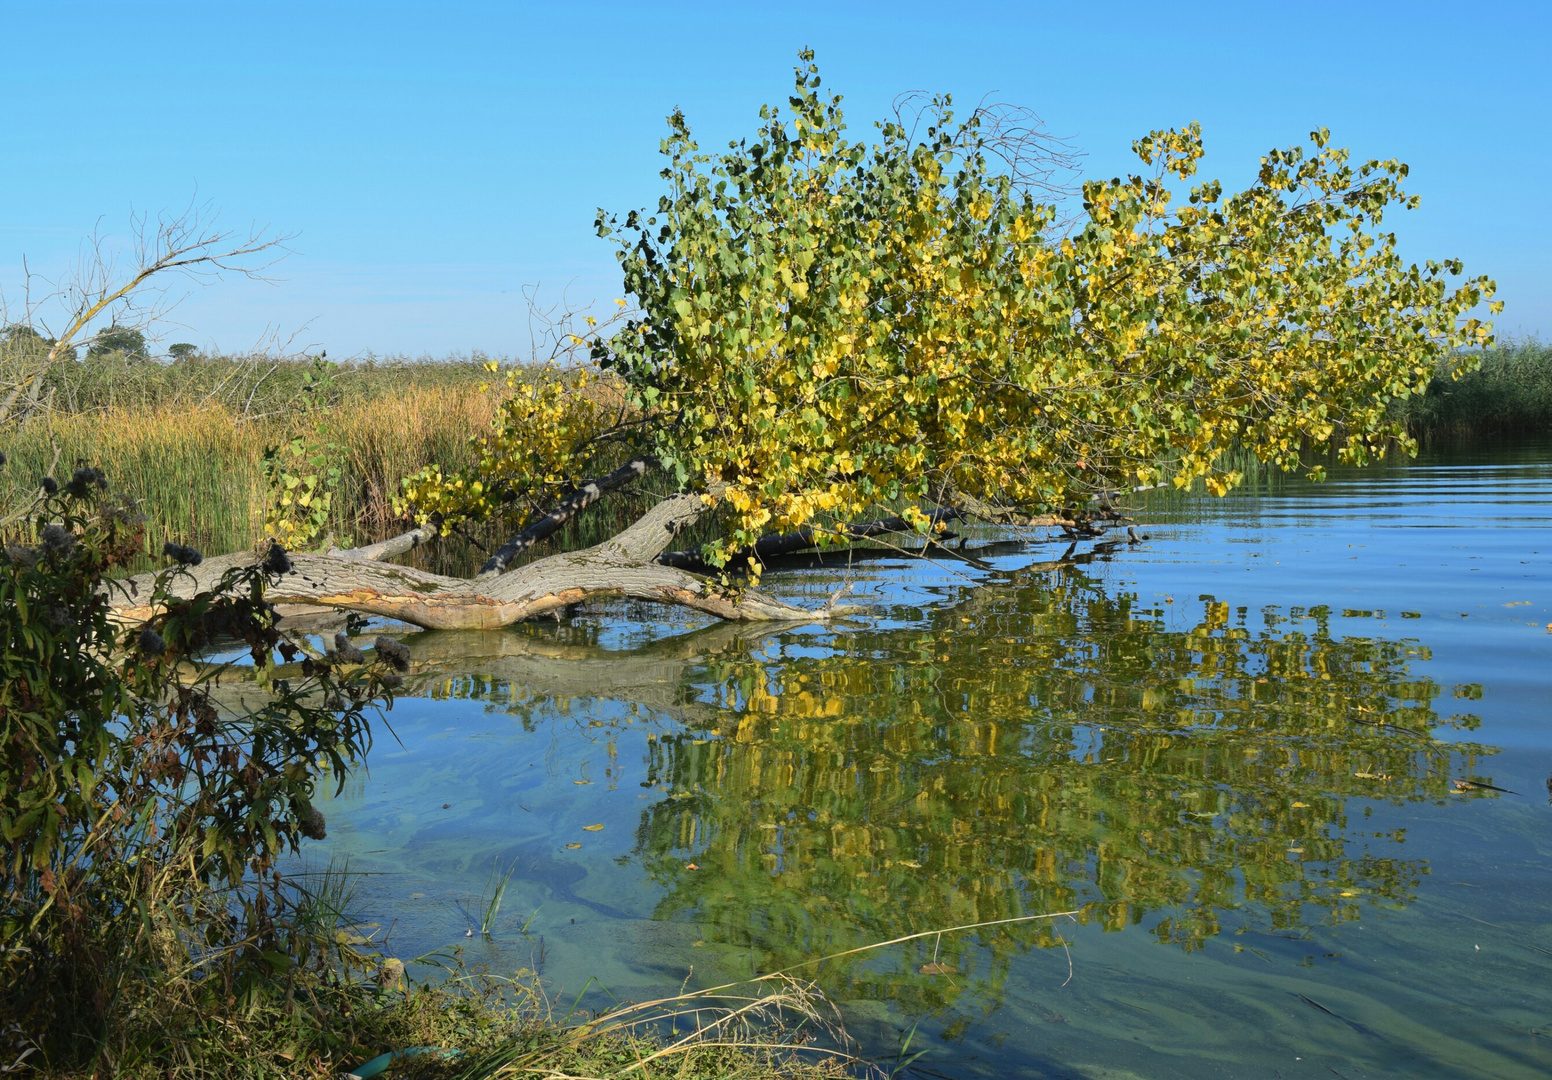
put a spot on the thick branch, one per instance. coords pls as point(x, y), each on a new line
point(569, 507)
point(621, 567)
point(398, 545)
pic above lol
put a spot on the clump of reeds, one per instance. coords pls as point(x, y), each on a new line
point(1510, 393)
point(185, 442)
point(195, 472)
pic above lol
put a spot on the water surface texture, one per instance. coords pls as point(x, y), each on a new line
point(1287, 762)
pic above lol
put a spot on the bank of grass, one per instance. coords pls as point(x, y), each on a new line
point(314, 1006)
point(186, 442)
point(1509, 394)
point(467, 1026)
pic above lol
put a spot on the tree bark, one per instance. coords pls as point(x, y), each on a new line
point(621, 567)
point(568, 508)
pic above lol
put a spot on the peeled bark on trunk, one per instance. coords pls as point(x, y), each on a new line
point(621, 567)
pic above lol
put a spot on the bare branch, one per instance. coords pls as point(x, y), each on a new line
point(99, 295)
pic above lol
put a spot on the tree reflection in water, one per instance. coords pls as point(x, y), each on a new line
point(1041, 746)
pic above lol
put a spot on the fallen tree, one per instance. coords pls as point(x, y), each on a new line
point(625, 566)
point(834, 342)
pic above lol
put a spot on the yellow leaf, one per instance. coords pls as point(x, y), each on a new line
point(593, 828)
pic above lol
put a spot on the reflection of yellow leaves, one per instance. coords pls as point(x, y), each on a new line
point(593, 828)
point(1518, 603)
point(572, 847)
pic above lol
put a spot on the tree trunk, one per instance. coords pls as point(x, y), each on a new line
point(621, 567)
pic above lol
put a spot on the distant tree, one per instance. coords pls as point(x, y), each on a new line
point(22, 340)
point(188, 243)
point(20, 334)
point(182, 350)
point(124, 339)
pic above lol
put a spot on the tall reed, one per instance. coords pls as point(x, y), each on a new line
point(195, 471)
point(1509, 394)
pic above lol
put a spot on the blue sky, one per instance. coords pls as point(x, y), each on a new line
point(433, 160)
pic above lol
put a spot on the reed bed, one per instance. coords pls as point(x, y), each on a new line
point(195, 471)
point(1509, 394)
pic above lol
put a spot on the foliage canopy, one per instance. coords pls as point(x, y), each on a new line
point(822, 325)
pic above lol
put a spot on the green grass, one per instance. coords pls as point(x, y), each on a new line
point(1510, 394)
point(185, 442)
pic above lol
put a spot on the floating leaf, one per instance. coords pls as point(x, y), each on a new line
point(593, 828)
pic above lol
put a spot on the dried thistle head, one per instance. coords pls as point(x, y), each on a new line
point(151, 643)
point(312, 824)
point(183, 556)
point(396, 653)
point(22, 556)
point(345, 651)
point(57, 540)
point(276, 561)
point(84, 479)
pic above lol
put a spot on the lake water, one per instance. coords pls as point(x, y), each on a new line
point(1233, 750)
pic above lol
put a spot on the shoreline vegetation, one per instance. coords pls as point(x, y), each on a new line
point(1510, 394)
point(186, 439)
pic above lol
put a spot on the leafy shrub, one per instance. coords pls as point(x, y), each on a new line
point(142, 807)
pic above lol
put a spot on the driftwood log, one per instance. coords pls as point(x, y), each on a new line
point(634, 564)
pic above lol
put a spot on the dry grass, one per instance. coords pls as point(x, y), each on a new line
point(195, 471)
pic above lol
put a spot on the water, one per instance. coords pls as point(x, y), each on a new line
point(1232, 750)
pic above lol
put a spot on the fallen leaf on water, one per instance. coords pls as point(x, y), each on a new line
point(691, 866)
point(593, 828)
point(1518, 603)
point(581, 781)
point(572, 847)
point(937, 967)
